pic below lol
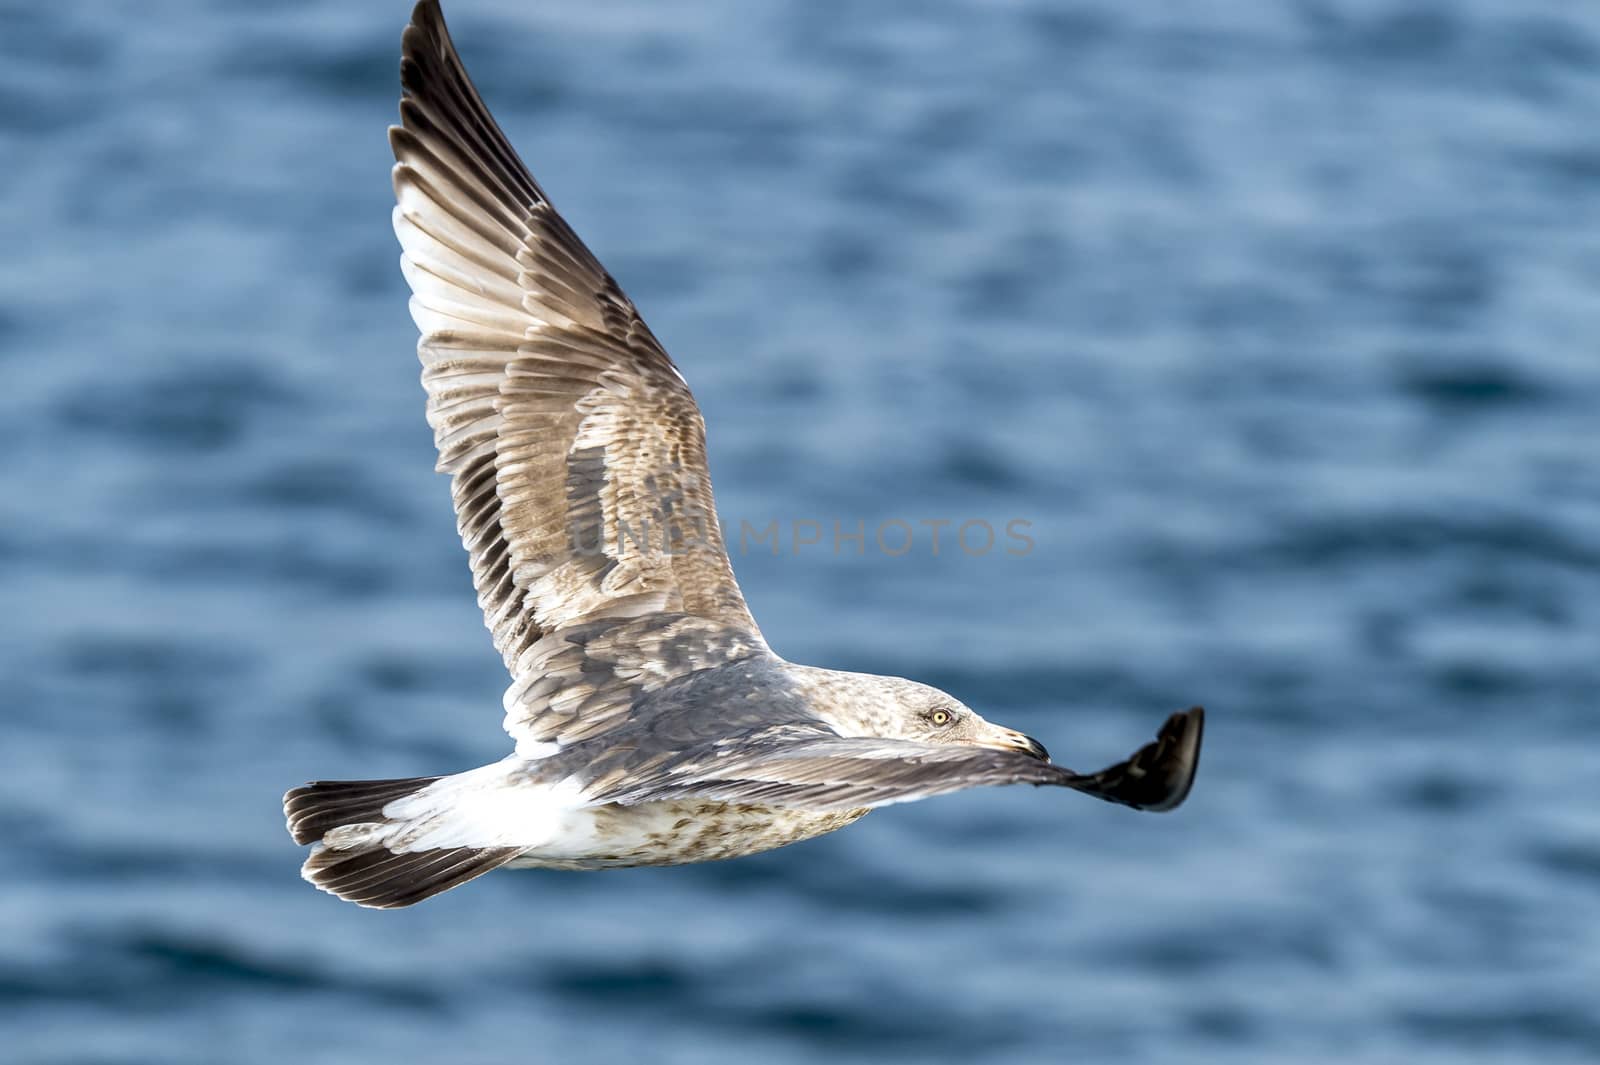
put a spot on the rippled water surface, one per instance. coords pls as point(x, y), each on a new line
point(1277, 321)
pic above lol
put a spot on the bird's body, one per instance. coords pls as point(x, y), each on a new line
point(614, 836)
point(512, 804)
point(653, 724)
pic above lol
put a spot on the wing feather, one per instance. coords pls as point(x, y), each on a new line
point(576, 450)
point(796, 764)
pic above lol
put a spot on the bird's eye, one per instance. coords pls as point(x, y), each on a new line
point(941, 717)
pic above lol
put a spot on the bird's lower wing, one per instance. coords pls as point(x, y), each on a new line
point(783, 768)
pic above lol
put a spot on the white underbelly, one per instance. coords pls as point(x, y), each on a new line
point(675, 833)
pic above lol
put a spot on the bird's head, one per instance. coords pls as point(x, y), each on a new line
point(895, 708)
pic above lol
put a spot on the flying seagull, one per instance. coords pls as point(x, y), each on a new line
point(653, 724)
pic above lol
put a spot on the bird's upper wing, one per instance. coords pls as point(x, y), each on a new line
point(800, 765)
point(577, 452)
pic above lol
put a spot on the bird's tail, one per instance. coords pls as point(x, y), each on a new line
point(381, 843)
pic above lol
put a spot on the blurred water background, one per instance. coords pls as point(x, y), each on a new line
point(1278, 321)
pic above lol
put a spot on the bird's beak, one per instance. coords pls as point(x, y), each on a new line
point(1007, 739)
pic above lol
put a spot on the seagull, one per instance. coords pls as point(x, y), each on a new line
point(653, 724)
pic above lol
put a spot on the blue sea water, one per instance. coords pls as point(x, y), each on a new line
point(1278, 322)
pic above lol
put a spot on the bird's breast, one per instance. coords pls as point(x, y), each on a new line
point(676, 833)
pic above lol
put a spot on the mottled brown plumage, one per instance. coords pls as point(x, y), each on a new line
point(653, 725)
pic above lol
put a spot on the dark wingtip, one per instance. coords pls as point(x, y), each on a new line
point(427, 13)
point(1159, 775)
point(425, 35)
